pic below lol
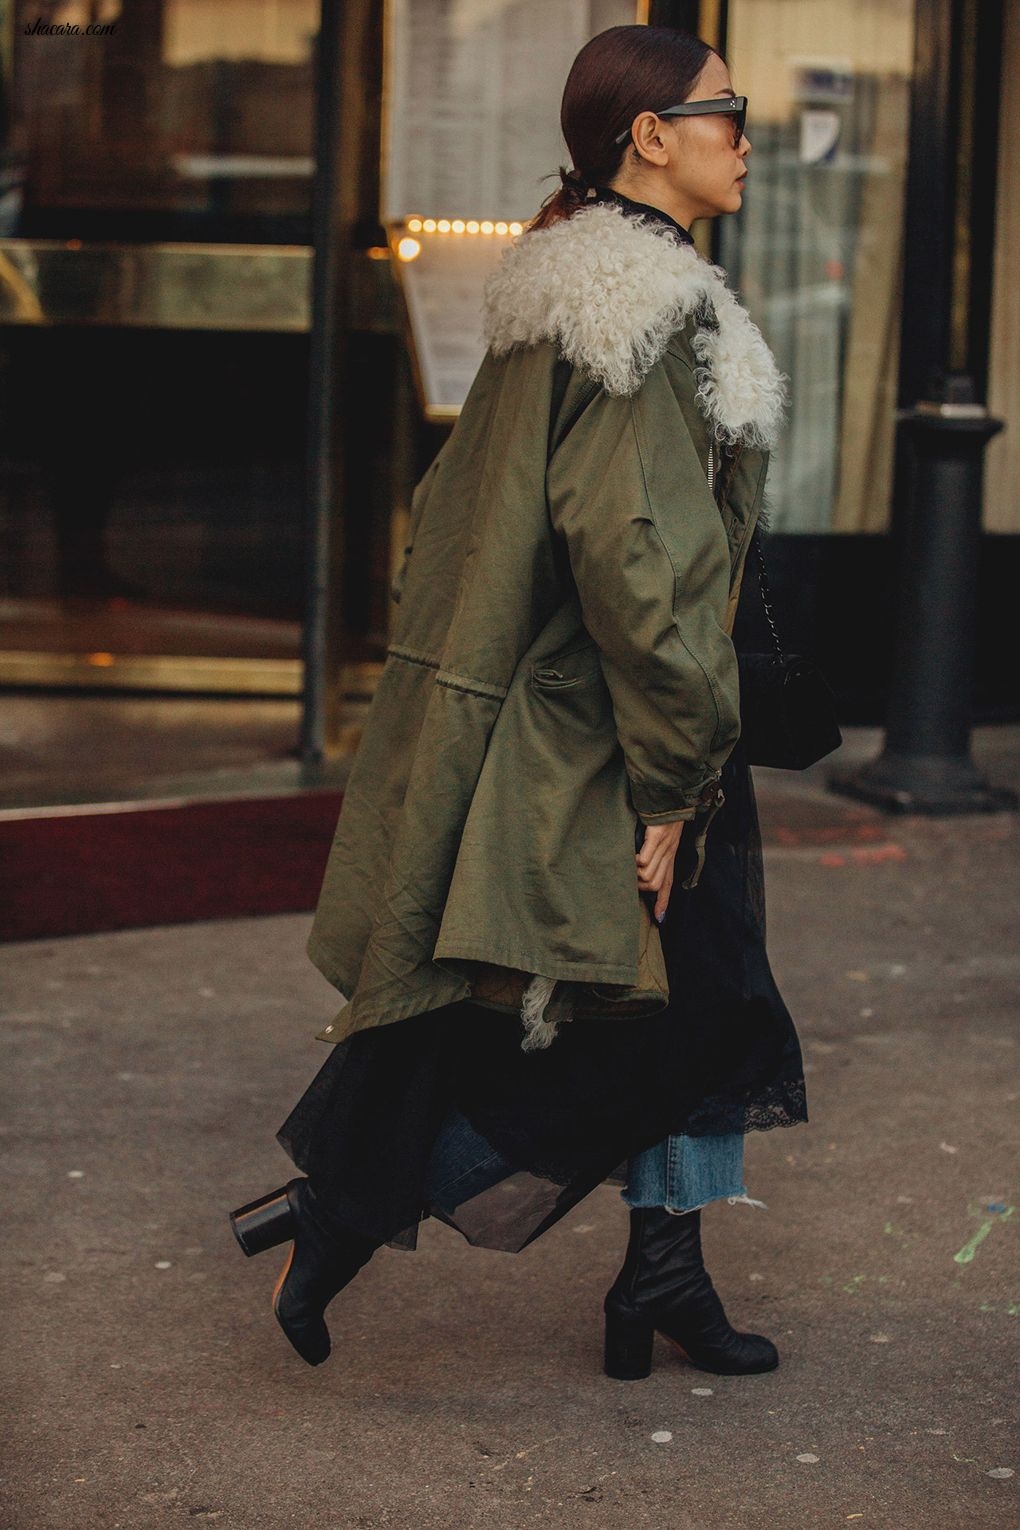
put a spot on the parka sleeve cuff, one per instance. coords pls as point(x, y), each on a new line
point(657, 804)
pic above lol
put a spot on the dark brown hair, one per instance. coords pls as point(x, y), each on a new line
point(622, 71)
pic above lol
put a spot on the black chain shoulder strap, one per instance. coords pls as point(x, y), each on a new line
point(729, 457)
point(766, 599)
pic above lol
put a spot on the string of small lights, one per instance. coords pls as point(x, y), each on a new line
point(418, 225)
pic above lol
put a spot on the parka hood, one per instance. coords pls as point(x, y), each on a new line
point(610, 289)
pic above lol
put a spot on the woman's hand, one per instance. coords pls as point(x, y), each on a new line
point(655, 862)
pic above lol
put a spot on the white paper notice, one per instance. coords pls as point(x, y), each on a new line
point(443, 294)
point(472, 102)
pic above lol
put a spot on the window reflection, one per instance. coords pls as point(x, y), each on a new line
point(817, 248)
point(153, 430)
point(192, 119)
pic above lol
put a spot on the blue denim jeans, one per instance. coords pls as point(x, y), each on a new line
point(683, 1173)
point(463, 1164)
point(680, 1173)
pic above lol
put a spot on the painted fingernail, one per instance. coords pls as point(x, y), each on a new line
point(660, 917)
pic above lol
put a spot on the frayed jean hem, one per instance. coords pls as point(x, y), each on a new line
point(684, 1174)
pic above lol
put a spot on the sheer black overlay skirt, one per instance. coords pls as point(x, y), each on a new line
point(444, 1114)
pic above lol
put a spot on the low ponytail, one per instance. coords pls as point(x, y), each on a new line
point(572, 193)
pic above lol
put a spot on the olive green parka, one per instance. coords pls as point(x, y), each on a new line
point(560, 664)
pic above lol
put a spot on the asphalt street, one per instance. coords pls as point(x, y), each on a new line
point(145, 1383)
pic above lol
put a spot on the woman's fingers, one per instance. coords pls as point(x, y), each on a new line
point(650, 877)
point(654, 860)
point(653, 868)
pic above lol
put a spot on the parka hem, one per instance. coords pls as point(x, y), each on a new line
point(365, 1017)
point(451, 950)
point(361, 1015)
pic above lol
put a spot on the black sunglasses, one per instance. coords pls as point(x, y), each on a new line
point(733, 106)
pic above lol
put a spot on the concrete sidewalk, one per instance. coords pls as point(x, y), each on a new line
point(145, 1383)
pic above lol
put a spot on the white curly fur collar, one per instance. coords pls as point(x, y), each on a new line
point(611, 288)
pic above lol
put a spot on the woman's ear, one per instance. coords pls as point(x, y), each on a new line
point(648, 140)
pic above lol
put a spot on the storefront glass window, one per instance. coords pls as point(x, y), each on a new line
point(156, 160)
point(184, 119)
point(816, 251)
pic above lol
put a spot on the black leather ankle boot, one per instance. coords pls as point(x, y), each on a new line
point(664, 1288)
point(324, 1258)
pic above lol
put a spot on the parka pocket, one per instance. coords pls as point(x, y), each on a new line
point(563, 671)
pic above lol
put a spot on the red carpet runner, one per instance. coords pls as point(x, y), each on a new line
point(85, 872)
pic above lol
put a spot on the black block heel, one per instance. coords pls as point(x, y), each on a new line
point(629, 1344)
point(264, 1223)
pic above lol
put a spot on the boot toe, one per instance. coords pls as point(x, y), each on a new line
point(309, 1336)
point(765, 1353)
point(754, 1354)
point(742, 1354)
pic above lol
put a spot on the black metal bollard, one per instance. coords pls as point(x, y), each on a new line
point(926, 765)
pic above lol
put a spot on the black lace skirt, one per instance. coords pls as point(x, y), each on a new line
point(721, 1057)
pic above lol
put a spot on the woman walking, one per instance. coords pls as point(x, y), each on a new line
point(543, 904)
